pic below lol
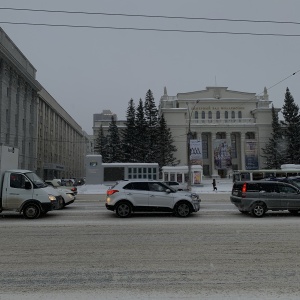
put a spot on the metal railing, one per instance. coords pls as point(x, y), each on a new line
point(221, 121)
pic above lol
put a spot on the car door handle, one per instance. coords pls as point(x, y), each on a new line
point(14, 194)
point(152, 196)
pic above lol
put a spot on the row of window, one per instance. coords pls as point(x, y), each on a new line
point(145, 173)
point(218, 115)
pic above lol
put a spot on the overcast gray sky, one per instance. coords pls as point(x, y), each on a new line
point(87, 70)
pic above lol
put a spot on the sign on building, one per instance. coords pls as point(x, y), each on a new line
point(196, 152)
point(222, 154)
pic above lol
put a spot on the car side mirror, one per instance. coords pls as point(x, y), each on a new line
point(27, 185)
point(168, 191)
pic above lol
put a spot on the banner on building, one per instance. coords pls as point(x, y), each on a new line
point(196, 152)
point(251, 155)
point(222, 154)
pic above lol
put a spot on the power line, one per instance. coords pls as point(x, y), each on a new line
point(152, 29)
point(276, 84)
point(150, 16)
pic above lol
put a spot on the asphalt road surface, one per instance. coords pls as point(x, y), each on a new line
point(86, 252)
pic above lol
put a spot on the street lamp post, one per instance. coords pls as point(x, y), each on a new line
point(189, 137)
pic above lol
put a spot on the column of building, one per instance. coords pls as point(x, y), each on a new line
point(214, 172)
point(242, 154)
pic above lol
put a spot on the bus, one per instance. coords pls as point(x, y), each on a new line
point(241, 175)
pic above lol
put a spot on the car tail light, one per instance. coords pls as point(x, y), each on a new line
point(111, 192)
point(74, 189)
point(244, 190)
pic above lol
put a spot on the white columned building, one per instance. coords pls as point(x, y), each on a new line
point(233, 127)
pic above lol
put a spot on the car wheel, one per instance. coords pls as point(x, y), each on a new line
point(31, 211)
point(258, 210)
point(123, 210)
point(294, 212)
point(182, 210)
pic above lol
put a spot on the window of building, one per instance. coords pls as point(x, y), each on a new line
point(113, 173)
point(226, 114)
point(250, 135)
point(218, 115)
point(203, 115)
point(7, 138)
point(239, 114)
point(221, 135)
point(206, 170)
point(210, 115)
point(233, 115)
point(196, 115)
point(205, 146)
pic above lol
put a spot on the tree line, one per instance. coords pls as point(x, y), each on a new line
point(283, 146)
point(144, 139)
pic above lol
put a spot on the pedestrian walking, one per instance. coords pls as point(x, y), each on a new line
point(214, 185)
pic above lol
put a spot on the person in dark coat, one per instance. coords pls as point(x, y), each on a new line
point(214, 185)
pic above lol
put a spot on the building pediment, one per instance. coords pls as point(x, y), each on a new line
point(216, 93)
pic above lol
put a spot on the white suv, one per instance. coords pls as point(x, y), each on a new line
point(128, 196)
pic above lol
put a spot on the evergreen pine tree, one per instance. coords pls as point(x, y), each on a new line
point(291, 124)
point(113, 145)
point(151, 116)
point(165, 144)
point(129, 135)
point(141, 134)
point(274, 151)
point(100, 143)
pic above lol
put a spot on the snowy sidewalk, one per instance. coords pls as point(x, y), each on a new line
point(223, 186)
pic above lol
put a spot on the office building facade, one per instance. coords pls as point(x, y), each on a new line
point(232, 127)
point(50, 142)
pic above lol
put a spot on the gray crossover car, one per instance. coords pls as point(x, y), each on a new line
point(257, 197)
point(177, 185)
point(128, 196)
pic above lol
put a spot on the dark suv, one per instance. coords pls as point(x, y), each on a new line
point(294, 180)
point(257, 197)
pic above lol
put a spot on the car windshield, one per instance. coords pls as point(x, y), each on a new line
point(36, 180)
point(169, 187)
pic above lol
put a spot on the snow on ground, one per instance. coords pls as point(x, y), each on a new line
point(223, 185)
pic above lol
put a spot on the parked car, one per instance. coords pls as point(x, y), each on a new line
point(176, 185)
point(67, 182)
point(128, 196)
point(56, 183)
point(68, 197)
point(80, 181)
point(257, 197)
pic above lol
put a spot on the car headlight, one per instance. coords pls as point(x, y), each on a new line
point(194, 196)
point(52, 198)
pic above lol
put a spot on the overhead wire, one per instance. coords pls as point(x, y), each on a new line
point(150, 16)
point(151, 29)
